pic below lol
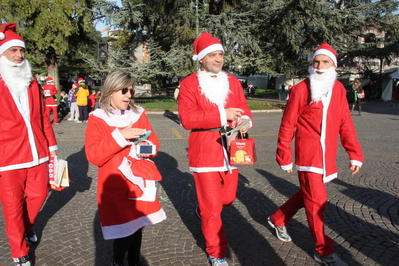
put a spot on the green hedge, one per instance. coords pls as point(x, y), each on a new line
point(168, 103)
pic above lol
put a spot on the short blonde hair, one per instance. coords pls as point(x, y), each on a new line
point(115, 81)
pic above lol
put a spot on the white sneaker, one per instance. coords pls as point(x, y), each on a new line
point(22, 261)
point(281, 231)
point(217, 262)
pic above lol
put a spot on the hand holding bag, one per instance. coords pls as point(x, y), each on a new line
point(240, 147)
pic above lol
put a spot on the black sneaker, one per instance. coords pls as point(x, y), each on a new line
point(330, 260)
point(22, 261)
point(31, 238)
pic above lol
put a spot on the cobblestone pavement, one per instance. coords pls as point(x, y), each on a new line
point(362, 214)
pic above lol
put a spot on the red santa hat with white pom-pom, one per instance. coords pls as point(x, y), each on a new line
point(9, 37)
point(205, 44)
point(326, 49)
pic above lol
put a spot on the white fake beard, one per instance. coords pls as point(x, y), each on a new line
point(216, 89)
point(17, 77)
point(320, 85)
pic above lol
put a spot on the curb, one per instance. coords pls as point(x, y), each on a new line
point(254, 111)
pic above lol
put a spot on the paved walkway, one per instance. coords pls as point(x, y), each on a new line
point(362, 215)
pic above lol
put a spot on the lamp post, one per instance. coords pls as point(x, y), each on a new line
point(196, 19)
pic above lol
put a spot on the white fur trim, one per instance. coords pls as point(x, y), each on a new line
point(122, 121)
point(210, 49)
point(223, 116)
point(210, 169)
point(286, 167)
point(357, 163)
point(327, 53)
point(117, 135)
point(330, 177)
point(11, 43)
point(129, 228)
point(310, 169)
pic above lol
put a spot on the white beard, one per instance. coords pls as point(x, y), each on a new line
point(17, 77)
point(215, 89)
point(320, 85)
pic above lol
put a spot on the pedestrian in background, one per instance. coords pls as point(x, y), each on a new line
point(26, 141)
point(209, 99)
point(74, 112)
point(358, 95)
point(316, 113)
point(82, 94)
point(63, 104)
point(50, 92)
point(92, 100)
point(126, 192)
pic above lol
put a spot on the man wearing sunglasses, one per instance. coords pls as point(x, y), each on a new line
point(209, 99)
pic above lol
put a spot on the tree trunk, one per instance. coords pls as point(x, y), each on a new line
point(52, 70)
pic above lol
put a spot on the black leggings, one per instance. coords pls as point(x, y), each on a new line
point(130, 244)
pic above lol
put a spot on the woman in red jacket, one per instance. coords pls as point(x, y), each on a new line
point(92, 100)
point(126, 192)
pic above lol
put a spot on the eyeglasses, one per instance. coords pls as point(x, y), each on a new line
point(125, 90)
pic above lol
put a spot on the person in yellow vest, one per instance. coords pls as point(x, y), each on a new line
point(82, 94)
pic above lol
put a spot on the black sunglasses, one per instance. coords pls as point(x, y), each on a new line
point(125, 90)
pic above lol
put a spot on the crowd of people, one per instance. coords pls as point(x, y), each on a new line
point(78, 102)
point(120, 141)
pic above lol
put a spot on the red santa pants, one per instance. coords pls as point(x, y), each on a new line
point(22, 194)
point(55, 112)
point(215, 190)
point(313, 196)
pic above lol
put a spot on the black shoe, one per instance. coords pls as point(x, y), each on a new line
point(31, 238)
point(330, 260)
point(22, 261)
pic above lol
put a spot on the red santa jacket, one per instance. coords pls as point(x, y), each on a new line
point(25, 137)
point(316, 127)
point(121, 214)
point(205, 150)
point(49, 91)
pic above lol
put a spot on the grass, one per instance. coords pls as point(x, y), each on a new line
point(168, 103)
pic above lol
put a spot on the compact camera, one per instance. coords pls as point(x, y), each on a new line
point(146, 149)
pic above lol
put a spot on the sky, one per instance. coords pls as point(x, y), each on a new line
point(100, 26)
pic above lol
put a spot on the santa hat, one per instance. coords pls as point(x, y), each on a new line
point(49, 80)
point(326, 49)
point(75, 85)
point(9, 37)
point(81, 80)
point(205, 44)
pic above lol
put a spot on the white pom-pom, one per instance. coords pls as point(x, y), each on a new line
point(195, 57)
point(2, 36)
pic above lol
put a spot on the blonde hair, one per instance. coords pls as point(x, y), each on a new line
point(116, 81)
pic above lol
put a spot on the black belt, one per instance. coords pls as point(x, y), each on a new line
point(208, 129)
